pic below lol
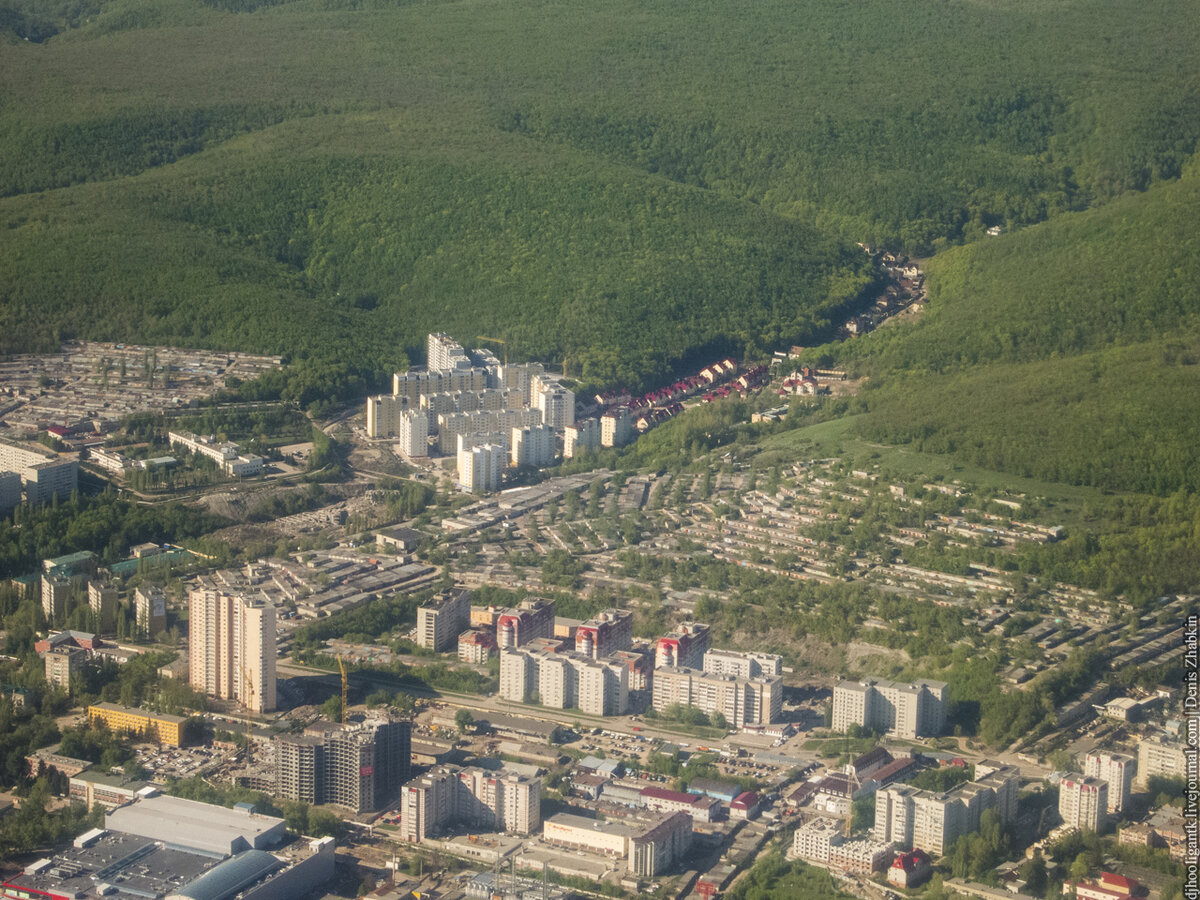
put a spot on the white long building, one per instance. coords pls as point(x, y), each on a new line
point(567, 680)
point(933, 820)
point(223, 453)
point(742, 701)
point(43, 475)
point(906, 710)
point(473, 798)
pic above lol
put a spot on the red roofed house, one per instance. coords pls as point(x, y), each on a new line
point(1110, 887)
point(909, 869)
point(744, 806)
point(702, 809)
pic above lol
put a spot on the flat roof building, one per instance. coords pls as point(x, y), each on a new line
point(1083, 802)
point(904, 710)
point(742, 701)
point(469, 797)
point(1118, 770)
point(232, 647)
point(443, 619)
point(933, 820)
point(683, 648)
point(196, 825)
point(167, 729)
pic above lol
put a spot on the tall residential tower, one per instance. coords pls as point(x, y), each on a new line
point(232, 647)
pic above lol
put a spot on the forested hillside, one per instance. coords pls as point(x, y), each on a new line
point(1066, 352)
point(620, 187)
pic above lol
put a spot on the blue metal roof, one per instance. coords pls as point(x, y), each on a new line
point(228, 878)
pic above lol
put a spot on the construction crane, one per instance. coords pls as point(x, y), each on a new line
point(345, 688)
point(493, 340)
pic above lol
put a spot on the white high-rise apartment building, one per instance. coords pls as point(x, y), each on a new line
point(519, 378)
point(443, 619)
point(45, 475)
point(445, 353)
point(742, 701)
point(383, 415)
point(742, 665)
point(616, 427)
point(599, 687)
point(412, 433)
point(232, 647)
point(1083, 802)
point(933, 820)
point(905, 710)
point(1117, 769)
point(480, 468)
point(474, 798)
point(1158, 755)
point(533, 446)
point(557, 405)
point(584, 435)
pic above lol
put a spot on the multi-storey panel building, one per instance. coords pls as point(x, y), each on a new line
point(473, 798)
point(63, 662)
point(933, 820)
point(684, 648)
point(742, 665)
point(359, 766)
point(742, 701)
point(565, 680)
point(232, 647)
point(605, 633)
point(412, 433)
point(905, 710)
point(532, 619)
point(443, 619)
point(1159, 755)
point(533, 445)
point(1117, 769)
point(1083, 802)
point(480, 468)
point(44, 475)
point(150, 606)
point(102, 600)
point(584, 435)
point(616, 427)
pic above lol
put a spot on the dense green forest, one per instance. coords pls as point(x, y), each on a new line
point(620, 188)
point(625, 189)
point(1067, 352)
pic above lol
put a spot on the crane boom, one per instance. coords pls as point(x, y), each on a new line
point(345, 685)
point(493, 340)
point(249, 686)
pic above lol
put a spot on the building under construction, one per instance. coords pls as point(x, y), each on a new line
point(359, 766)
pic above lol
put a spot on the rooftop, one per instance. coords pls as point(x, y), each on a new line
point(189, 823)
point(658, 793)
point(142, 867)
point(132, 711)
point(567, 820)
